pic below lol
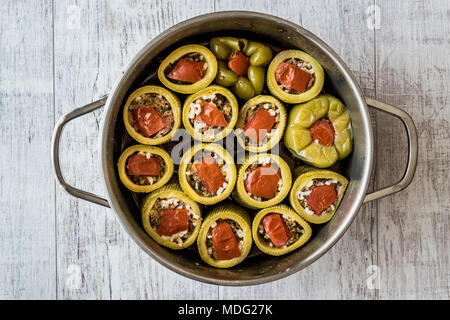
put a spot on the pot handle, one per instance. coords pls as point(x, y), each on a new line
point(55, 152)
point(412, 149)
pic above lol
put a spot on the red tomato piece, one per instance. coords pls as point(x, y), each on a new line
point(263, 181)
point(173, 221)
point(139, 165)
point(259, 125)
point(148, 120)
point(239, 64)
point(322, 130)
point(322, 197)
point(187, 70)
point(210, 174)
point(224, 242)
point(293, 77)
point(277, 229)
point(211, 115)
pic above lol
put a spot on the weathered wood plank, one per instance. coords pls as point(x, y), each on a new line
point(27, 230)
point(413, 72)
point(341, 273)
point(96, 258)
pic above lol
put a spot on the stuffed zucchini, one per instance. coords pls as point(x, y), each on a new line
point(263, 180)
point(144, 168)
point(294, 76)
point(319, 131)
point(261, 123)
point(152, 115)
point(188, 69)
point(210, 114)
point(225, 238)
point(316, 193)
point(170, 217)
point(278, 230)
point(207, 173)
point(241, 65)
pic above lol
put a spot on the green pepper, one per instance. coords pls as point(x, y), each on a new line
point(295, 97)
point(251, 82)
point(208, 74)
point(298, 138)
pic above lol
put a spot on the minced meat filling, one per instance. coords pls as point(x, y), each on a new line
point(144, 180)
point(306, 66)
point(237, 231)
point(193, 56)
point(293, 226)
point(158, 102)
point(173, 203)
point(194, 179)
point(267, 135)
point(305, 192)
point(222, 104)
point(261, 162)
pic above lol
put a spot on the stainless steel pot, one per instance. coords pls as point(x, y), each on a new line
point(357, 167)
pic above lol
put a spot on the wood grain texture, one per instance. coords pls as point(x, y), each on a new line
point(27, 228)
point(96, 258)
point(335, 275)
point(413, 72)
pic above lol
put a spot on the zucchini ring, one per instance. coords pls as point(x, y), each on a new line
point(145, 183)
point(213, 96)
point(300, 57)
point(307, 179)
point(240, 193)
point(329, 113)
point(230, 213)
point(299, 229)
point(271, 135)
point(195, 186)
point(177, 54)
point(173, 192)
point(165, 96)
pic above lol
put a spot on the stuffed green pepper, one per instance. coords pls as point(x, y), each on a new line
point(225, 238)
point(278, 230)
point(319, 131)
point(261, 123)
point(152, 115)
point(316, 193)
point(210, 114)
point(263, 180)
point(188, 69)
point(294, 76)
point(207, 173)
point(144, 168)
point(241, 65)
point(170, 217)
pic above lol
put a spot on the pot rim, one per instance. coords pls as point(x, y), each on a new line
point(368, 139)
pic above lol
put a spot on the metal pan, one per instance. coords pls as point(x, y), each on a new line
point(270, 29)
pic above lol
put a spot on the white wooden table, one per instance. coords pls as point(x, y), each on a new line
point(57, 55)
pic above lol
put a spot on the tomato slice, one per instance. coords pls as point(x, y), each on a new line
point(224, 242)
point(211, 115)
point(263, 181)
point(257, 127)
point(277, 229)
point(187, 70)
point(210, 174)
point(322, 130)
point(149, 121)
point(321, 197)
point(173, 221)
point(293, 77)
point(239, 64)
point(139, 165)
